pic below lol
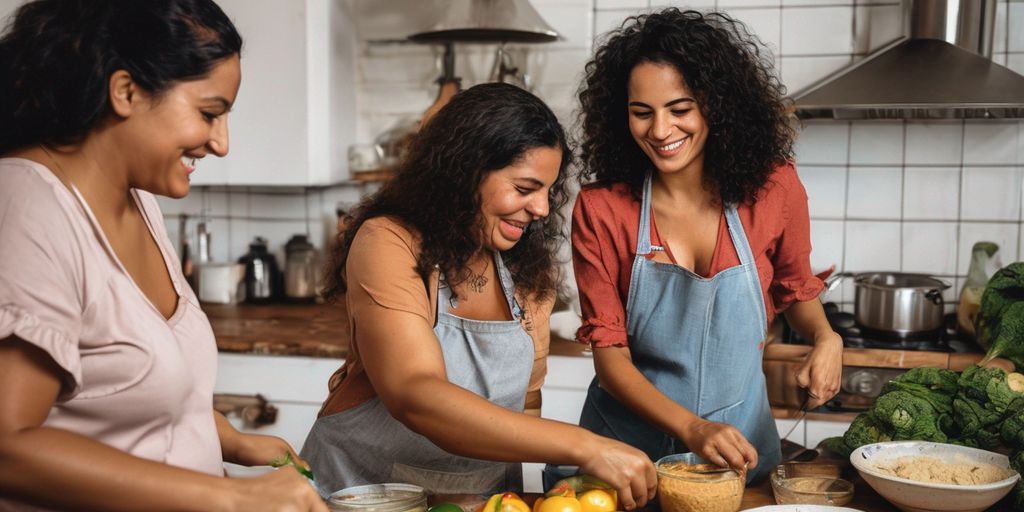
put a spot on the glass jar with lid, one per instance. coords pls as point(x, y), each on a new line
point(379, 498)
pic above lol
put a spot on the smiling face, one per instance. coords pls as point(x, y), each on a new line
point(664, 118)
point(171, 132)
point(514, 196)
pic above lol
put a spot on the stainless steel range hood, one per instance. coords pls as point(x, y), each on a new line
point(485, 21)
point(942, 70)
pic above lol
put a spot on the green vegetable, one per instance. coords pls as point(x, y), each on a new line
point(988, 386)
point(1001, 315)
point(908, 416)
point(288, 461)
point(445, 507)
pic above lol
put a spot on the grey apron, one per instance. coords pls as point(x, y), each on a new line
point(365, 444)
point(698, 341)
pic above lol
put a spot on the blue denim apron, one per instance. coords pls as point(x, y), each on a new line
point(699, 342)
point(366, 445)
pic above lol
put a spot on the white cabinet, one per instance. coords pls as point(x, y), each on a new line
point(819, 430)
point(296, 386)
point(295, 113)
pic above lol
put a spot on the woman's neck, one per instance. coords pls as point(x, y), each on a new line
point(101, 181)
point(685, 187)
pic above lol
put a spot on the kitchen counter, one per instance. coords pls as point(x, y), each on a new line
point(312, 330)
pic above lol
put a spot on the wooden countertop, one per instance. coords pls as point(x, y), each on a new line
point(313, 330)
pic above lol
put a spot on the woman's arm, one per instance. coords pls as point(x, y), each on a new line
point(60, 469)
point(403, 360)
point(252, 449)
point(822, 371)
point(719, 443)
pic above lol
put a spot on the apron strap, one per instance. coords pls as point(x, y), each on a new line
point(643, 238)
point(738, 235)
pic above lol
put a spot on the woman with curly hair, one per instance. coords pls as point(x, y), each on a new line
point(449, 278)
point(692, 236)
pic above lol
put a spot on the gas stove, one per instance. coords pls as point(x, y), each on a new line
point(947, 339)
point(870, 359)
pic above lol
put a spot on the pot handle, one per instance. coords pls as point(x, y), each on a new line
point(935, 296)
point(832, 282)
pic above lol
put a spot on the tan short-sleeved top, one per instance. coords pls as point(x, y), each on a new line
point(381, 273)
point(132, 379)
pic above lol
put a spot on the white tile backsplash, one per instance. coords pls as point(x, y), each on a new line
point(874, 193)
point(931, 193)
point(930, 247)
point(876, 143)
point(826, 190)
point(872, 246)
point(1015, 29)
point(821, 143)
point(826, 244)
point(620, 4)
point(764, 23)
point(990, 142)
point(817, 30)
point(934, 143)
point(991, 193)
point(901, 211)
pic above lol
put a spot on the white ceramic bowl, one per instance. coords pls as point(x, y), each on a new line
point(915, 496)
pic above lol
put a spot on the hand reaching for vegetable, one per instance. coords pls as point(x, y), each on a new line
point(720, 444)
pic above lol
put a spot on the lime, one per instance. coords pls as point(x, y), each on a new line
point(445, 507)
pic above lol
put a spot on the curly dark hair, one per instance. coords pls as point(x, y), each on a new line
point(56, 58)
point(729, 72)
point(436, 189)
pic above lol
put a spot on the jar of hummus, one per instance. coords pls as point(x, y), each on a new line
point(379, 498)
point(683, 488)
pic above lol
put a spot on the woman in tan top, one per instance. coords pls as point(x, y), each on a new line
point(449, 278)
point(107, 364)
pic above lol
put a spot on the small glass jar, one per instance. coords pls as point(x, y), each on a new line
point(379, 498)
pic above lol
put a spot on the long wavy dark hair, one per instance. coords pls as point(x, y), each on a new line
point(436, 189)
point(724, 66)
point(56, 58)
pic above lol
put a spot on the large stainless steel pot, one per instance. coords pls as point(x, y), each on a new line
point(897, 302)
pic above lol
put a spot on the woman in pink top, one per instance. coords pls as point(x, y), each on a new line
point(107, 364)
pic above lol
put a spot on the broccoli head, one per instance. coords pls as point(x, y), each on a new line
point(864, 430)
point(908, 416)
point(988, 386)
point(936, 379)
point(1012, 427)
point(1000, 322)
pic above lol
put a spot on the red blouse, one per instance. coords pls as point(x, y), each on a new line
point(604, 234)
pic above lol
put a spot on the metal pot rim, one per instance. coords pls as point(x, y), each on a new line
point(927, 282)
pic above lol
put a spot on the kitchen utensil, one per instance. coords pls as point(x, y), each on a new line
point(300, 269)
point(913, 495)
point(219, 283)
point(261, 273)
point(896, 302)
point(801, 414)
